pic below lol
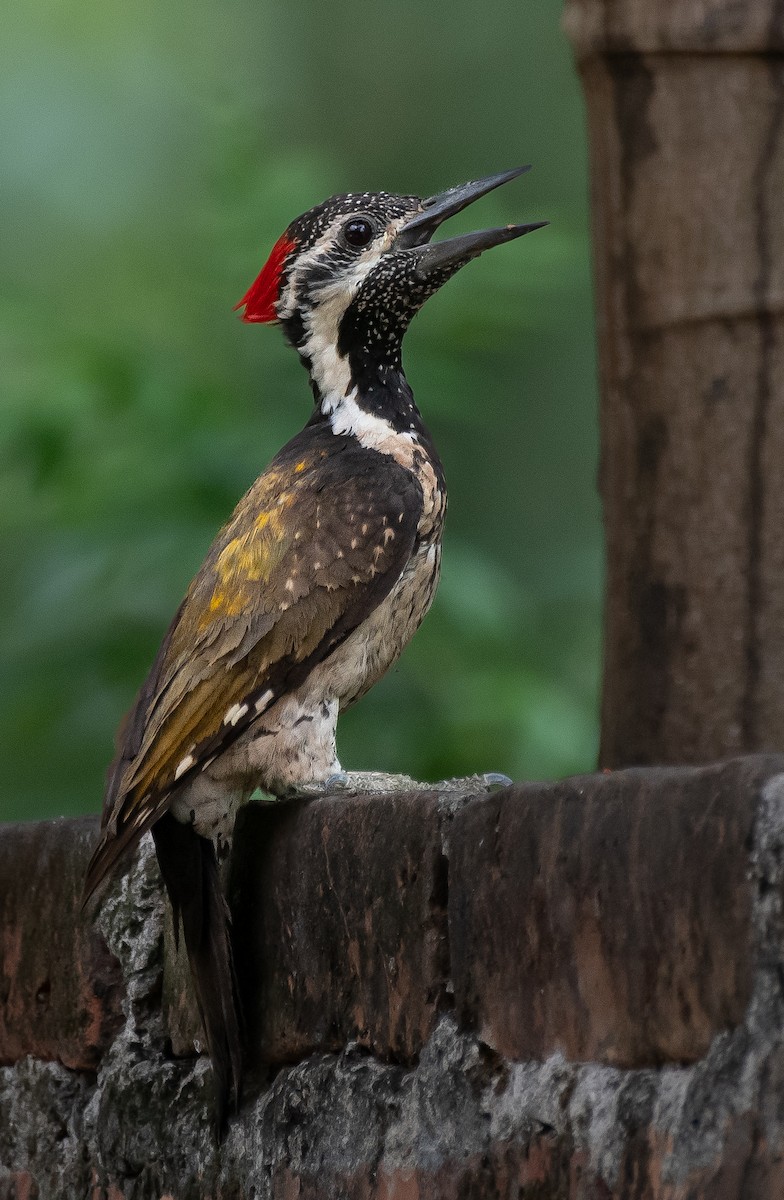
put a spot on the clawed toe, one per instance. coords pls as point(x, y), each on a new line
point(493, 781)
point(355, 783)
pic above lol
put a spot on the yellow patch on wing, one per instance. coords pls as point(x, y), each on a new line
point(224, 604)
point(249, 560)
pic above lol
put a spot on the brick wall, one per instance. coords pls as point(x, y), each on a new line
point(568, 990)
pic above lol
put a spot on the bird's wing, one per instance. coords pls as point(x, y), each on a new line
point(311, 550)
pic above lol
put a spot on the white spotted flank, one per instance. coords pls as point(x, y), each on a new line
point(235, 714)
point(184, 765)
point(263, 701)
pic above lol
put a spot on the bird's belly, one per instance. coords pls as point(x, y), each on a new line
point(378, 642)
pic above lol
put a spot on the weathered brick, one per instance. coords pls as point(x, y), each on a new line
point(535, 1170)
point(19, 1185)
point(606, 916)
point(549, 1168)
point(658, 865)
point(745, 1167)
point(340, 924)
point(60, 988)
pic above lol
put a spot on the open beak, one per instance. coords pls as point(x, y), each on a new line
point(452, 252)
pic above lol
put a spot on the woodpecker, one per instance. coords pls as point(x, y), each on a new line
point(314, 586)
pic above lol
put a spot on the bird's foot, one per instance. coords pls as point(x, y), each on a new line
point(490, 781)
point(352, 783)
point(355, 783)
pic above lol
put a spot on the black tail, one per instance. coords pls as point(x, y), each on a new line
point(190, 871)
point(113, 847)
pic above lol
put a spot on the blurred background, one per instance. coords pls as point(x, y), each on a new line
point(150, 155)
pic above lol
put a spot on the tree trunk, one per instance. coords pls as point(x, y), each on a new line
point(685, 106)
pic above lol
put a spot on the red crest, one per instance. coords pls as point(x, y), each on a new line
point(262, 295)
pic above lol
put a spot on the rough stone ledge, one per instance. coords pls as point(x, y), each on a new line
point(60, 988)
point(433, 973)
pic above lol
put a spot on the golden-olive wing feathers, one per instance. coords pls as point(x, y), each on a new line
point(310, 551)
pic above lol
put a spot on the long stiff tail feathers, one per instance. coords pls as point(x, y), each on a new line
point(114, 847)
point(189, 867)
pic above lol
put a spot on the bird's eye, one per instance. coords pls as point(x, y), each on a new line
point(358, 231)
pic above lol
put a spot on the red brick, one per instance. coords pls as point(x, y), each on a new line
point(538, 1170)
point(60, 988)
point(19, 1185)
point(548, 1168)
point(340, 924)
point(608, 917)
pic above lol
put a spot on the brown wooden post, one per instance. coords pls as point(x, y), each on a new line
point(685, 106)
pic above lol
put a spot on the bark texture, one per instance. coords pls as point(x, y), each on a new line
point(685, 106)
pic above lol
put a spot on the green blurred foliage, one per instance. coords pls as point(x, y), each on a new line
point(151, 154)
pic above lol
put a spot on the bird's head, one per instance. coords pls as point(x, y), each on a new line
point(347, 276)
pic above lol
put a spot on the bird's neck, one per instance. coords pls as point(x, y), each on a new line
point(364, 397)
point(357, 375)
point(379, 400)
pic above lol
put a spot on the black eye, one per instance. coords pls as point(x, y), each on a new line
point(358, 231)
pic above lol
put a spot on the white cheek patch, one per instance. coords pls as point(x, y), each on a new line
point(322, 318)
point(291, 297)
point(329, 369)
